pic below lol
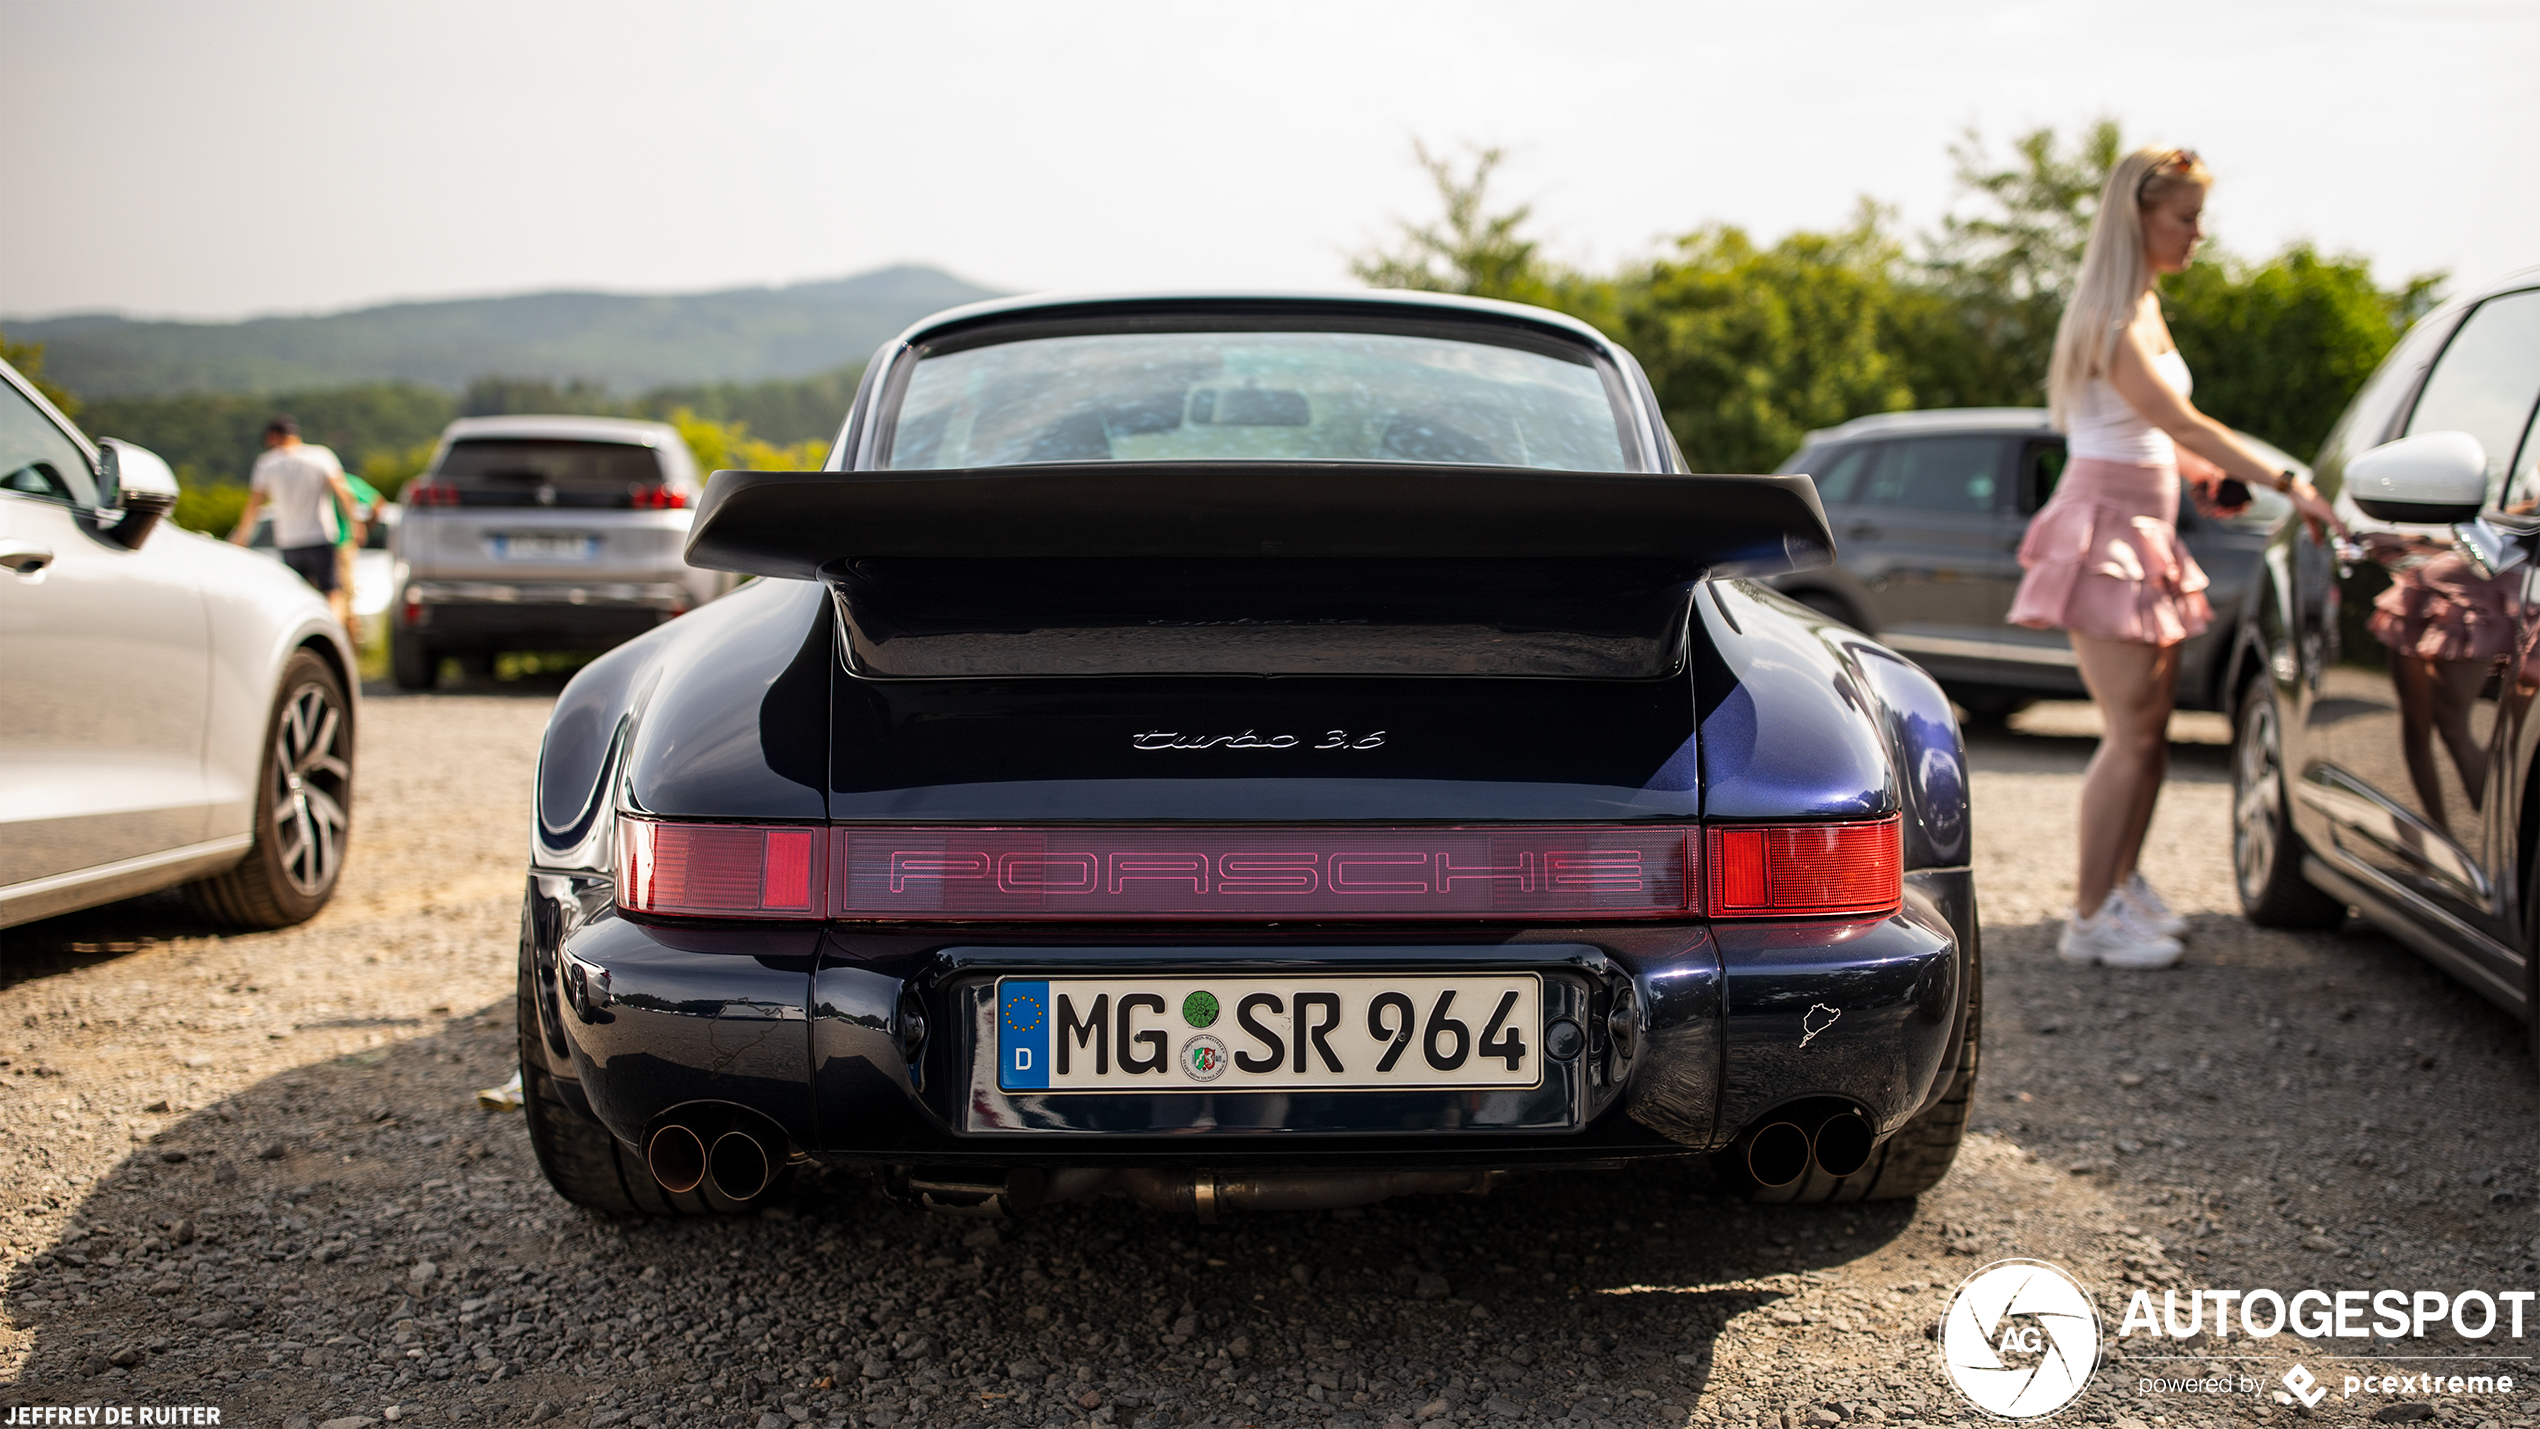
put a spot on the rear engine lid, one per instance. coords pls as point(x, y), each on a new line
point(1235, 749)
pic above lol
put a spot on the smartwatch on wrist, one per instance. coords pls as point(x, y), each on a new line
point(2284, 481)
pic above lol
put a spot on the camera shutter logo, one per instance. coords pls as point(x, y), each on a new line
point(2019, 1339)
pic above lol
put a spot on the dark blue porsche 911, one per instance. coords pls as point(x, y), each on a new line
point(1271, 752)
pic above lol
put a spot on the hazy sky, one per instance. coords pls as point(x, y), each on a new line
point(213, 158)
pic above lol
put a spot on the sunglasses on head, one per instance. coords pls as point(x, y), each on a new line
point(2177, 160)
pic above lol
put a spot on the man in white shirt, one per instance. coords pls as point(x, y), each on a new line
point(299, 481)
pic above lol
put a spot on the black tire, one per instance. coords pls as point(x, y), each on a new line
point(411, 662)
point(303, 807)
point(578, 1156)
point(2531, 963)
point(2266, 852)
point(1918, 1156)
point(584, 1162)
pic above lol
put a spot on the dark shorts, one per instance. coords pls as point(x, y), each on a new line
point(316, 564)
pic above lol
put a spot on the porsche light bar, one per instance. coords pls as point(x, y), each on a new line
point(1111, 873)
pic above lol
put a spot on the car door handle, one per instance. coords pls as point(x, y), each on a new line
point(24, 558)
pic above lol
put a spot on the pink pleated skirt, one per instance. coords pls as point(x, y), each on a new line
point(2103, 558)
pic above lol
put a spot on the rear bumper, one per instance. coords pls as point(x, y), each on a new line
point(865, 1043)
point(458, 615)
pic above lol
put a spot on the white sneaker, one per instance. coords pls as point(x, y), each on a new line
point(2147, 908)
point(2110, 938)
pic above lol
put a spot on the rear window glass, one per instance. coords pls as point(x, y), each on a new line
point(565, 465)
point(1838, 473)
point(1255, 396)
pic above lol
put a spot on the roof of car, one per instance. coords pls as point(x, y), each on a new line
point(562, 428)
point(1940, 419)
point(1201, 299)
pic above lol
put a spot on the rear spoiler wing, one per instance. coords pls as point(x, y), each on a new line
point(791, 523)
point(1258, 567)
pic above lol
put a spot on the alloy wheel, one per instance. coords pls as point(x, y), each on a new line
point(2257, 813)
point(311, 776)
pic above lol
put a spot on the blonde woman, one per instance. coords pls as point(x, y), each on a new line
point(2103, 558)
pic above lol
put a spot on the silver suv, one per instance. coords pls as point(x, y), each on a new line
point(542, 533)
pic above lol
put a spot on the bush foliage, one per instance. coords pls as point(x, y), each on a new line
point(1751, 346)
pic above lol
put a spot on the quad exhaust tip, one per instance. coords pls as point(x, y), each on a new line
point(1777, 1154)
point(1843, 1143)
point(726, 1156)
point(677, 1158)
point(739, 1166)
point(1780, 1154)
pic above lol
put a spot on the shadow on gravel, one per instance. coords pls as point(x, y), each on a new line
point(52, 946)
point(2288, 1109)
point(356, 1234)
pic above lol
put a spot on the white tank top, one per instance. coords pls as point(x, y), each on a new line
point(2105, 426)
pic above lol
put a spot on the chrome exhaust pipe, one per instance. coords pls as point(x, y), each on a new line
point(1842, 1145)
point(676, 1156)
point(1777, 1154)
point(739, 1166)
point(963, 1192)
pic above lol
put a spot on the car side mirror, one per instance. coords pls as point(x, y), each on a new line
point(2432, 479)
point(137, 481)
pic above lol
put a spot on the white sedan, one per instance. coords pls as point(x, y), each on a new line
point(173, 710)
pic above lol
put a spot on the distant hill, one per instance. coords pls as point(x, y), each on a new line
point(627, 342)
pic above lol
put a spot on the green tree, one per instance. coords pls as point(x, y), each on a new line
point(28, 359)
point(728, 446)
point(511, 396)
point(2280, 347)
point(2002, 264)
point(786, 411)
point(1470, 250)
point(1750, 348)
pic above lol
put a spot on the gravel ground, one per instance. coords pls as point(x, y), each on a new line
point(250, 1172)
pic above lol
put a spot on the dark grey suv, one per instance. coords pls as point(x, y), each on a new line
point(1928, 509)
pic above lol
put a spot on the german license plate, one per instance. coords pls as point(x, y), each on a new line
point(545, 546)
point(1254, 1034)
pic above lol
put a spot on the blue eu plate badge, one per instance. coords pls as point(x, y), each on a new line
point(1023, 1035)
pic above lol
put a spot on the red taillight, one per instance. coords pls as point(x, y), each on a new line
point(1806, 870)
point(721, 870)
point(429, 493)
point(657, 498)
